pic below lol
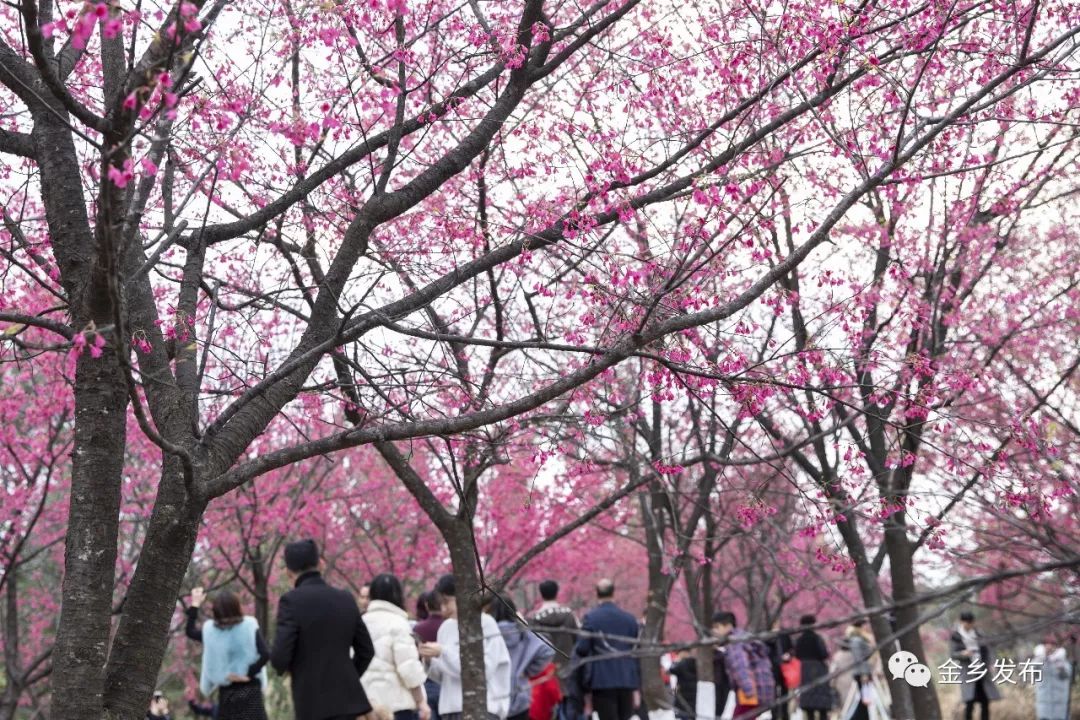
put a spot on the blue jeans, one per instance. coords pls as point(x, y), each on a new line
point(432, 689)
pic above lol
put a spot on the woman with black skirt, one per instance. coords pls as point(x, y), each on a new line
point(234, 656)
point(816, 695)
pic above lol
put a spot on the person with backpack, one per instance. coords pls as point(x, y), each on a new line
point(748, 666)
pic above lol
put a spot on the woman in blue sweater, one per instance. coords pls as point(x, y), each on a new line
point(234, 656)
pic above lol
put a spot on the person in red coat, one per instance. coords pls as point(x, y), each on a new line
point(546, 694)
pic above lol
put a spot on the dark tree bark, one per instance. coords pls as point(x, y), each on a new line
point(654, 693)
point(143, 633)
point(101, 398)
point(9, 701)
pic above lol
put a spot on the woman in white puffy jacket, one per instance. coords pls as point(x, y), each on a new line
point(395, 678)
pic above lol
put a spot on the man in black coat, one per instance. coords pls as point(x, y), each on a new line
point(316, 627)
point(613, 682)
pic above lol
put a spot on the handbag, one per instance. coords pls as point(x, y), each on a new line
point(791, 671)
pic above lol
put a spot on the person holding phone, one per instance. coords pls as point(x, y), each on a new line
point(159, 707)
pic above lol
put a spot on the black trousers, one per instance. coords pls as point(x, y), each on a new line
point(816, 714)
point(780, 709)
point(981, 700)
point(613, 703)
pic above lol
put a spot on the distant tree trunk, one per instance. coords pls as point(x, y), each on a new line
point(654, 693)
point(9, 701)
point(699, 590)
point(260, 581)
point(456, 530)
point(870, 591)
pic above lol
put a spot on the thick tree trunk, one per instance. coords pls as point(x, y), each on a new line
point(925, 704)
point(459, 539)
point(143, 633)
point(82, 638)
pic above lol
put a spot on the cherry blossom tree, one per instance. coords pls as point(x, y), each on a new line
point(266, 234)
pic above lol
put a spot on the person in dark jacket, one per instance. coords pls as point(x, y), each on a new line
point(684, 670)
point(317, 625)
point(721, 680)
point(609, 630)
point(969, 650)
point(558, 624)
point(202, 709)
point(816, 697)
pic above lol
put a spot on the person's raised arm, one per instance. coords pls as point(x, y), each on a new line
point(281, 656)
point(191, 627)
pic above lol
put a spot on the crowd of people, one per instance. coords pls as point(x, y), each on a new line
point(364, 657)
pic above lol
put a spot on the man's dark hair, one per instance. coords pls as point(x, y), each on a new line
point(387, 588)
point(967, 616)
point(808, 620)
point(302, 556)
point(445, 586)
point(605, 589)
point(225, 607)
point(549, 590)
point(723, 617)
